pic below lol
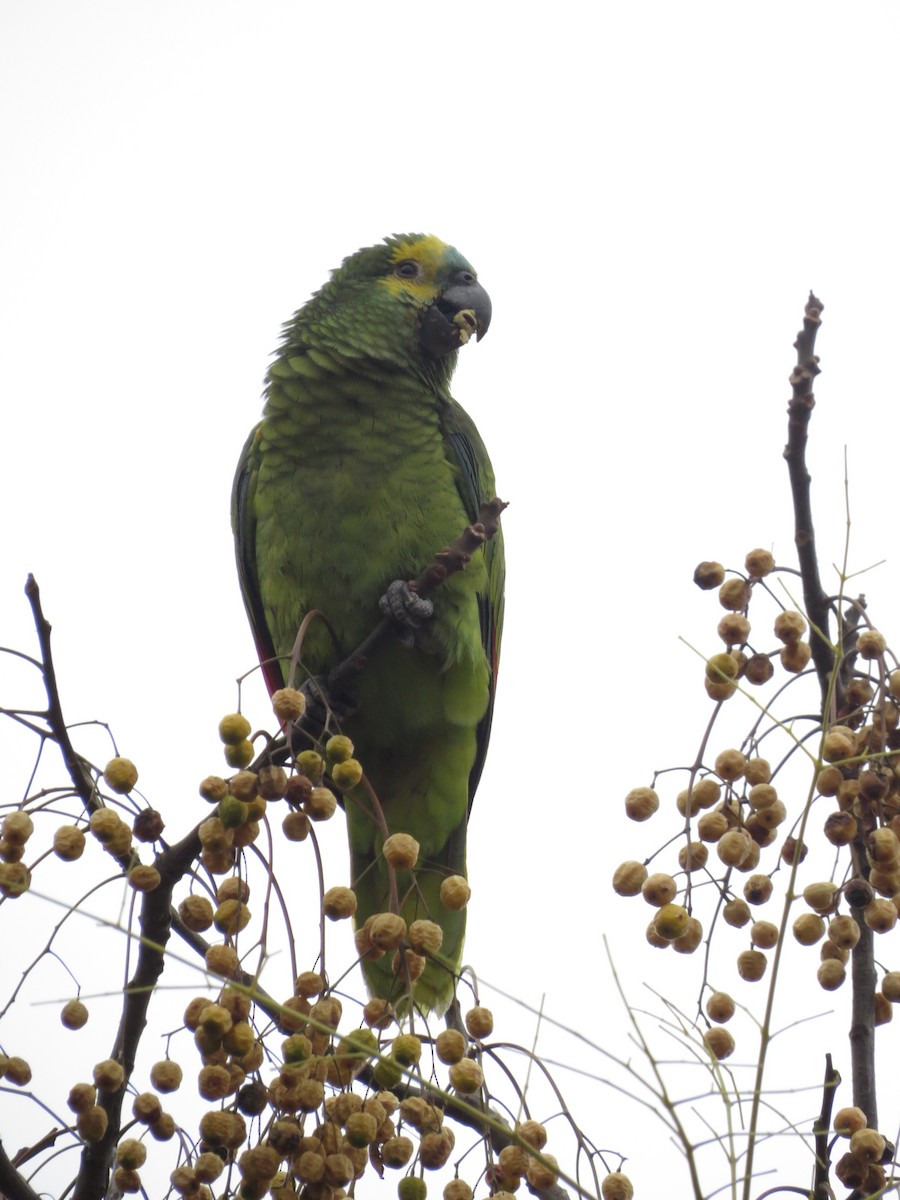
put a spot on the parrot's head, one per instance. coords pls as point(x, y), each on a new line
point(408, 303)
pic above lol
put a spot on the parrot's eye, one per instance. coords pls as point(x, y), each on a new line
point(408, 269)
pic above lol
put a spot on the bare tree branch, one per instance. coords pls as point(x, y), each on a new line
point(800, 408)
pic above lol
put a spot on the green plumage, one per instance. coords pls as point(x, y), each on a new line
point(362, 467)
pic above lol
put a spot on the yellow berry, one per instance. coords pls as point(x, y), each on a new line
point(231, 917)
point(708, 575)
point(144, 878)
point(92, 1123)
point(764, 934)
point(109, 1074)
point(295, 826)
point(759, 563)
point(240, 755)
point(629, 877)
point(692, 857)
point(789, 626)
point(17, 1071)
point(450, 1046)
point(840, 828)
point(338, 749)
point(758, 669)
point(736, 913)
point(425, 937)
point(880, 915)
point(751, 965)
point(838, 743)
point(74, 1014)
point(222, 960)
point(871, 644)
point(542, 1175)
point(166, 1075)
point(687, 942)
point(831, 974)
point(17, 828)
point(347, 773)
point(671, 921)
point(758, 889)
point(734, 594)
point(321, 804)
point(734, 630)
point(820, 896)
point(396, 1152)
point(120, 775)
point(406, 1049)
point(808, 929)
point(719, 1042)
point(466, 1076)
point(131, 1153)
point(730, 765)
point(15, 879)
point(641, 803)
point(339, 903)
point(455, 892)
point(387, 931)
point(457, 1189)
point(848, 1120)
point(734, 847)
point(401, 851)
point(68, 843)
point(867, 1145)
point(616, 1186)
point(659, 889)
point(479, 1022)
point(233, 729)
point(311, 764)
point(288, 704)
point(720, 1007)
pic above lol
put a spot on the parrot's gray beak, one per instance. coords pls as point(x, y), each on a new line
point(462, 309)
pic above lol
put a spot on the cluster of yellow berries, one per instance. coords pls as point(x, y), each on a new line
point(726, 669)
point(314, 1143)
point(15, 877)
point(734, 809)
point(326, 1141)
point(107, 826)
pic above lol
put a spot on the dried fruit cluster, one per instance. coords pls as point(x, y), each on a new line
point(300, 1100)
point(732, 810)
point(860, 1167)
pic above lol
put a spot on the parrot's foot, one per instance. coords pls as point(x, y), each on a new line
point(407, 609)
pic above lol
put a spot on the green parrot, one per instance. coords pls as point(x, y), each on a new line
point(362, 468)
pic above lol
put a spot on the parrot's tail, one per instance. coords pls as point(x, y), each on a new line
point(419, 892)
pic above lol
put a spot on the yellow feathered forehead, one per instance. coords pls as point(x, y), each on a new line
point(435, 257)
point(428, 250)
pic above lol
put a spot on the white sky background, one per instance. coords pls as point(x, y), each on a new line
point(648, 192)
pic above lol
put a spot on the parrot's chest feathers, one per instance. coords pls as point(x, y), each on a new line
point(350, 496)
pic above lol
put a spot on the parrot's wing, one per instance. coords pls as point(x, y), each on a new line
point(476, 485)
point(243, 524)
